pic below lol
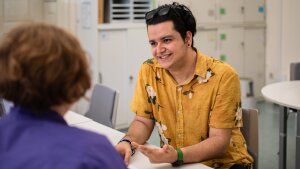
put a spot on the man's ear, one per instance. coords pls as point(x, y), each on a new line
point(188, 37)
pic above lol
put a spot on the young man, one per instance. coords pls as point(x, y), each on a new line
point(43, 71)
point(192, 99)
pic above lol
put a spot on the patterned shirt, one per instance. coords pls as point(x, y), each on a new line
point(183, 113)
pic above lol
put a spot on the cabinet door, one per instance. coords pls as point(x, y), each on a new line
point(206, 42)
point(15, 12)
point(1, 19)
point(255, 58)
point(111, 62)
point(204, 11)
point(231, 48)
point(230, 11)
point(254, 11)
point(138, 52)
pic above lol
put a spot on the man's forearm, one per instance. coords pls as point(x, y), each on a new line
point(139, 131)
point(211, 148)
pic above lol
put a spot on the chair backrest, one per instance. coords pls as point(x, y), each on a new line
point(5, 106)
point(103, 105)
point(250, 132)
point(295, 71)
point(2, 108)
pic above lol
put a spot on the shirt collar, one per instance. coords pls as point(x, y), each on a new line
point(201, 65)
point(46, 115)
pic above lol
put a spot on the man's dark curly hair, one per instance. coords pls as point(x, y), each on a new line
point(179, 14)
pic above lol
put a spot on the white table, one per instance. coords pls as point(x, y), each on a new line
point(138, 161)
point(73, 118)
point(286, 95)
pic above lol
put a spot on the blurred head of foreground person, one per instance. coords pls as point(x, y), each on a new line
point(43, 71)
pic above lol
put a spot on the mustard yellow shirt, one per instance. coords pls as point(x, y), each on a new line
point(183, 113)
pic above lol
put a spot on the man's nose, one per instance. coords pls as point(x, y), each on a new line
point(160, 48)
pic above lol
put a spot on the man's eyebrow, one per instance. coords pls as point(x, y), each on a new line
point(168, 36)
point(162, 38)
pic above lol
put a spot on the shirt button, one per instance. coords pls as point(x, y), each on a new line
point(179, 88)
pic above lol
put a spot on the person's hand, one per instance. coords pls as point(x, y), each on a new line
point(125, 150)
point(166, 154)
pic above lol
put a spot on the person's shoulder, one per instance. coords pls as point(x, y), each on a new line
point(149, 65)
point(149, 61)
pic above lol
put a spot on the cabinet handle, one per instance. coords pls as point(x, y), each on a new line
point(243, 44)
point(100, 77)
point(242, 9)
point(130, 78)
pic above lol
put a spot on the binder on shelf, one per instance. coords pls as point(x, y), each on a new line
point(100, 11)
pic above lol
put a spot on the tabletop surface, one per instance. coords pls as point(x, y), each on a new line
point(73, 118)
point(283, 93)
point(138, 161)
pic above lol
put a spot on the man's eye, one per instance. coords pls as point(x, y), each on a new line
point(152, 43)
point(167, 40)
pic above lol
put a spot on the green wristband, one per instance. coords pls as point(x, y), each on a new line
point(179, 160)
point(179, 154)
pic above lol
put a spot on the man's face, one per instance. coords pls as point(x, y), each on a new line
point(167, 46)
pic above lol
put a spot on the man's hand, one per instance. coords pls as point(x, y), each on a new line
point(140, 129)
point(166, 154)
point(125, 150)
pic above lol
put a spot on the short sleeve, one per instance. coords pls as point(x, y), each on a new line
point(227, 103)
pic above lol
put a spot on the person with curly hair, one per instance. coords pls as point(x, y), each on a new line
point(43, 71)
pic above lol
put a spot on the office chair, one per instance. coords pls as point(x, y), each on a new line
point(2, 108)
point(103, 105)
point(5, 106)
point(295, 71)
point(294, 75)
point(250, 132)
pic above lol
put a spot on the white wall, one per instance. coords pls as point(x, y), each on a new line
point(290, 34)
point(283, 38)
point(87, 31)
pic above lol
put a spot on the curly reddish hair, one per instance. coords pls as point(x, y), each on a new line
point(42, 66)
